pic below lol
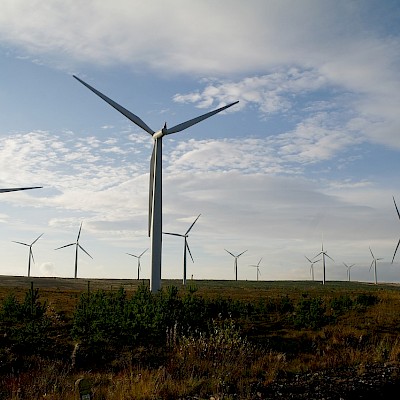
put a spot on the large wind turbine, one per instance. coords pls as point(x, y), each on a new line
point(138, 261)
point(18, 189)
point(349, 267)
point(235, 262)
point(77, 246)
point(312, 266)
point(373, 263)
point(324, 254)
point(155, 192)
point(185, 246)
point(30, 252)
point(258, 268)
point(398, 243)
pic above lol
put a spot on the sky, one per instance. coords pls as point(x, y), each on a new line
point(309, 155)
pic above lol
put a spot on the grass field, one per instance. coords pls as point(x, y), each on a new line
point(286, 328)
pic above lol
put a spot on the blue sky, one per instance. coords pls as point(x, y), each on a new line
point(310, 152)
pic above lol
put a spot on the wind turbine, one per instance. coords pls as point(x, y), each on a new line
point(18, 189)
point(312, 266)
point(185, 246)
point(155, 192)
point(373, 263)
point(30, 252)
point(77, 247)
point(138, 263)
point(258, 268)
point(398, 243)
point(235, 262)
point(324, 254)
point(348, 270)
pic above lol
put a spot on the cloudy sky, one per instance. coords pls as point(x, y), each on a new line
point(310, 153)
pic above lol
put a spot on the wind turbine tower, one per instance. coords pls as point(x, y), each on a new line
point(235, 263)
point(324, 254)
point(77, 247)
point(138, 264)
point(258, 268)
point(30, 252)
point(185, 247)
point(373, 263)
point(155, 192)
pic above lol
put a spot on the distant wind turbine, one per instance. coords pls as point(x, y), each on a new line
point(258, 268)
point(30, 252)
point(324, 254)
point(235, 265)
point(349, 267)
point(373, 263)
point(398, 243)
point(155, 192)
point(138, 259)
point(18, 189)
point(312, 262)
point(185, 247)
point(77, 247)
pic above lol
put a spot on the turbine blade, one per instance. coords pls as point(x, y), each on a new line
point(230, 253)
point(17, 189)
point(241, 253)
point(372, 254)
point(129, 254)
point(258, 264)
point(173, 234)
point(37, 239)
point(31, 254)
point(398, 214)
point(398, 243)
point(191, 226)
point(85, 251)
point(143, 253)
point(134, 118)
point(187, 124)
point(67, 245)
point(190, 253)
point(79, 233)
point(151, 184)
point(25, 244)
point(330, 257)
point(308, 259)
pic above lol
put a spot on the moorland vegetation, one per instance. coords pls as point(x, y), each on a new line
point(232, 341)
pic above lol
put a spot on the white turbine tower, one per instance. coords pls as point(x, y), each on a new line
point(235, 265)
point(185, 247)
point(77, 247)
point(312, 266)
point(138, 264)
point(324, 254)
point(398, 243)
point(258, 268)
point(373, 263)
point(155, 192)
point(30, 252)
point(349, 267)
point(18, 189)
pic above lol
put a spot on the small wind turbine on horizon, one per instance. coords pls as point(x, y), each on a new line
point(185, 247)
point(30, 252)
point(258, 268)
point(139, 268)
point(77, 247)
point(312, 262)
point(349, 267)
point(373, 263)
point(324, 254)
point(155, 187)
point(235, 263)
point(398, 243)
